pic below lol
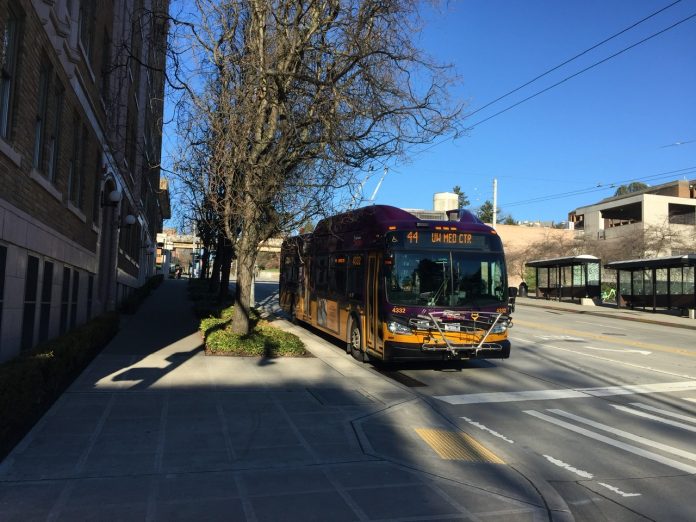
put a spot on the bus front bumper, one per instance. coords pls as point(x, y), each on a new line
point(414, 351)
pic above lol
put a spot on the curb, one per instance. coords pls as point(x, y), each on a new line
point(610, 316)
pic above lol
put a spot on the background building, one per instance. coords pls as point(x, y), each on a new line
point(656, 221)
point(81, 102)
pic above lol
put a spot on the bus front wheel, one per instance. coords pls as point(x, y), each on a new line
point(355, 341)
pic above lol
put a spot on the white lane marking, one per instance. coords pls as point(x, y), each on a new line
point(568, 467)
point(627, 435)
point(617, 444)
point(618, 350)
point(485, 428)
point(666, 413)
point(602, 325)
point(559, 338)
point(655, 418)
point(689, 399)
point(618, 491)
point(564, 393)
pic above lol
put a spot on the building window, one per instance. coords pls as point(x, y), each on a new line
point(3, 259)
point(96, 202)
point(86, 26)
point(90, 292)
point(46, 293)
point(682, 214)
point(65, 300)
point(76, 176)
point(9, 56)
point(41, 110)
point(54, 140)
point(75, 295)
point(29, 315)
point(106, 65)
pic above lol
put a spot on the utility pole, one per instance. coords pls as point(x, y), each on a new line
point(495, 201)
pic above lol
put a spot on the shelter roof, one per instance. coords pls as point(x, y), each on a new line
point(657, 262)
point(563, 261)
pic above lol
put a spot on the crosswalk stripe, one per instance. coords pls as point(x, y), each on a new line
point(627, 435)
point(655, 418)
point(565, 393)
point(612, 442)
point(667, 413)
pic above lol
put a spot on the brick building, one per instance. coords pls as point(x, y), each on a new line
point(81, 103)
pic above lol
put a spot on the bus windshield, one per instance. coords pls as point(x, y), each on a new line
point(446, 278)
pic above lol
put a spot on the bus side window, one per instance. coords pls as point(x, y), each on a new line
point(356, 277)
point(337, 276)
point(322, 274)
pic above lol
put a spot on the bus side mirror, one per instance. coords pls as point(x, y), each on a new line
point(512, 291)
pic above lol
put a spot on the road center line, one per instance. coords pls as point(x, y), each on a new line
point(486, 428)
point(543, 395)
point(617, 444)
point(595, 325)
point(618, 491)
point(568, 467)
point(543, 327)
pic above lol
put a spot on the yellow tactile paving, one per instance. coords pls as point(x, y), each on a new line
point(453, 445)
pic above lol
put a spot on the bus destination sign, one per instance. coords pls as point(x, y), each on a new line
point(437, 239)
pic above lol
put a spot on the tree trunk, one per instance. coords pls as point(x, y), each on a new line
point(225, 266)
point(215, 276)
point(246, 258)
point(204, 263)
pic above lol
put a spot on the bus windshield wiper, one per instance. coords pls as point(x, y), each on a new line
point(435, 297)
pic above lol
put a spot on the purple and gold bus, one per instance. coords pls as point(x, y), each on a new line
point(396, 287)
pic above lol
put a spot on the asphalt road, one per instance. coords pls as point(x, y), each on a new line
point(603, 409)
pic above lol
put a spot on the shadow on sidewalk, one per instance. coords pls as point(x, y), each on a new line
point(150, 375)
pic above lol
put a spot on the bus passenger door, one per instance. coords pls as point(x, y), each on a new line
point(371, 296)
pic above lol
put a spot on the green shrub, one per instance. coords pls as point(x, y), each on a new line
point(263, 341)
point(30, 383)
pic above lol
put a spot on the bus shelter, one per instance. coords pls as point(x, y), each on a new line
point(663, 282)
point(571, 278)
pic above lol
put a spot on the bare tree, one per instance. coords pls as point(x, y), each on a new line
point(286, 103)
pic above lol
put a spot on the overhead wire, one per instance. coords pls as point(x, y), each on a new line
point(584, 70)
point(683, 20)
point(600, 187)
point(566, 62)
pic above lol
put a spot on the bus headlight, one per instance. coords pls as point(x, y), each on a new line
point(500, 328)
point(398, 328)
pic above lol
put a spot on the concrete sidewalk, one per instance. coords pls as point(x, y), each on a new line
point(155, 430)
point(663, 318)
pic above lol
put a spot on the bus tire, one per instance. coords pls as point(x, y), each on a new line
point(355, 340)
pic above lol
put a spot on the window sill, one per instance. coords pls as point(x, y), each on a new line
point(80, 215)
point(47, 185)
point(85, 59)
point(9, 151)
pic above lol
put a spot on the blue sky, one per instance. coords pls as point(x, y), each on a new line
point(610, 124)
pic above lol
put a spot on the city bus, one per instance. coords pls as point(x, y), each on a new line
point(395, 287)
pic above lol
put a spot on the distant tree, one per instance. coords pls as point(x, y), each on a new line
point(636, 186)
point(485, 212)
point(509, 220)
point(463, 199)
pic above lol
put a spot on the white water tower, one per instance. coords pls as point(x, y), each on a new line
point(444, 201)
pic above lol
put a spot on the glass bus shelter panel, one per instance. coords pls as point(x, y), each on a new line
point(593, 274)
